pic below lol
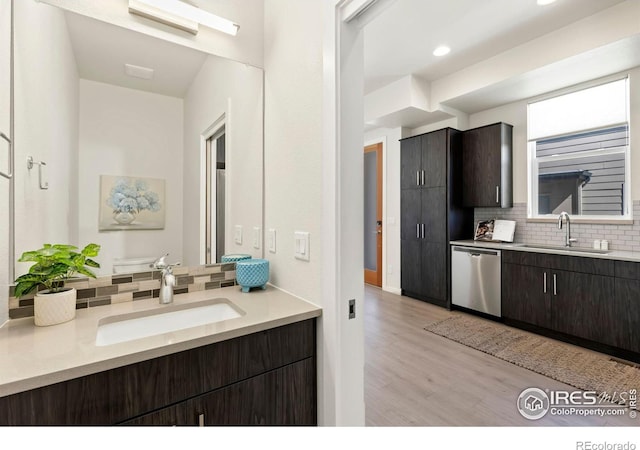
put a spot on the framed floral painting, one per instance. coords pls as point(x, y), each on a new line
point(131, 203)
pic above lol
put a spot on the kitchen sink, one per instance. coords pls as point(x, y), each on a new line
point(166, 319)
point(566, 249)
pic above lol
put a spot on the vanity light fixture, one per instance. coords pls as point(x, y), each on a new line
point(181, 15)
point(545, 2)
point(441, 51)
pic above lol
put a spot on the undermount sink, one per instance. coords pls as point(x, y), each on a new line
point(140, 324)
point(568, 249)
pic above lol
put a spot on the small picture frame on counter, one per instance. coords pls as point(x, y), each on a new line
point(495, 230)
point(484, 230)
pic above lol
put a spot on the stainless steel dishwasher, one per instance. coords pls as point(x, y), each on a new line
point(476, 279)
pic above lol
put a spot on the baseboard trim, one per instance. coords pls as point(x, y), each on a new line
point(392, 290)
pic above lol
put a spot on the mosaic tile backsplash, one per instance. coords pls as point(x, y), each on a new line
point(135, 286)
point(621, 237)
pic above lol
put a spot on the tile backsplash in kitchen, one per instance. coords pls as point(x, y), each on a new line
point(134, 286)
point(620, 237)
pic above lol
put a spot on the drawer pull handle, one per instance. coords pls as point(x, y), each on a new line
point(201, 420)
point(417, 178)
point(497, 194)
point(555, 290)
point(544, 283)
point(422, 177)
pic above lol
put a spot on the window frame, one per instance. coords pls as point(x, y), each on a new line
point(533, 163)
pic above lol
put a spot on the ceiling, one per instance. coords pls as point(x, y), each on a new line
point(102, 49)
point(502, 51)
point(400, 41)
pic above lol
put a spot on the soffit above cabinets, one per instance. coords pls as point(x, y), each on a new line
point(502, 51)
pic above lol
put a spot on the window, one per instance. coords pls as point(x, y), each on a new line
point(579, 154)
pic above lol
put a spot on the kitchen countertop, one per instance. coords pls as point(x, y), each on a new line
point(571, 251)
point(31, 357)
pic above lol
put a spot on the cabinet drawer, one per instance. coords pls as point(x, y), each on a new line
point(627, 269)
point(595, 266)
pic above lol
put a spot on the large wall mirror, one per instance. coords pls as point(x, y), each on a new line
point(129, 129)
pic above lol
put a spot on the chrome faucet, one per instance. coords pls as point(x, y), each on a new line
point(567, 234)
point(168, 279)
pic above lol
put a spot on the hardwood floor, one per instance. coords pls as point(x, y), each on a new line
point(416, 378)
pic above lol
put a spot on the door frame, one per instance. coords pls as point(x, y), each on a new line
point(207, 134)
point(382, 140)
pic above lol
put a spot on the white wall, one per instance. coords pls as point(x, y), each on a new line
point(130, 133)
point(314, 182)
point(293, 141)
point(46, 127)
point(390, 137)
point(225, 87)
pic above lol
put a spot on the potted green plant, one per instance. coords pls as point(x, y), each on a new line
point(53, 265)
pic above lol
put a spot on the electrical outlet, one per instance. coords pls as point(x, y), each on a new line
point(352, 308)
point(237, 234)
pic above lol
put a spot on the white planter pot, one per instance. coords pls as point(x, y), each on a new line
point(52, 309)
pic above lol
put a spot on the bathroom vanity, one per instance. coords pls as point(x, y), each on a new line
point(257, 369)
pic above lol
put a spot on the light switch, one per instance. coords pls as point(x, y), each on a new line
point(256, 237)
point(301, 245)
point(272, 240)
point(237, 234)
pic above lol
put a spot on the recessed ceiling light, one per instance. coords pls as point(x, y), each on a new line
point(545, 2)
point(441, 51)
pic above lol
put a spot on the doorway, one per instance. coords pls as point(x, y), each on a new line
point(373, 188)
point(215, 157)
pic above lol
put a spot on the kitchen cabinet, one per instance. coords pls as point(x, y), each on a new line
point(431, 213)
point(487, 166)
point(581, 297)
point(267, 377)
point(626, 306)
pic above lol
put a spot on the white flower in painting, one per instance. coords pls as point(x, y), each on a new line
point(127, 196)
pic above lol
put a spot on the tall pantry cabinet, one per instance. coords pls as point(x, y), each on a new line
point(431, 213)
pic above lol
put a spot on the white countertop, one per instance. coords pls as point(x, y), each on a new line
point(32, 357)
point(571, 251)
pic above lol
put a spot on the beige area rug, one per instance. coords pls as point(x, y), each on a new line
point(563, 362)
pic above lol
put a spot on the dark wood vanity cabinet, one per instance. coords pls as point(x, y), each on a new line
point(582, 297)
point(487, 166)
point(431, 213)
point(264, 378)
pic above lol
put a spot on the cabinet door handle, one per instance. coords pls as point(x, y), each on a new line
point(422, 230)
point(422, 177)
point(417, 178)
point(555, 290)
point(418, 231)
point(544, 283)
point(497, 194)
point(201, 420)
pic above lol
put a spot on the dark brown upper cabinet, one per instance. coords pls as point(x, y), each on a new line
point(487, 166)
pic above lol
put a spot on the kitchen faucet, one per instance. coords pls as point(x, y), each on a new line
point(567, 234)
point(168, 279)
